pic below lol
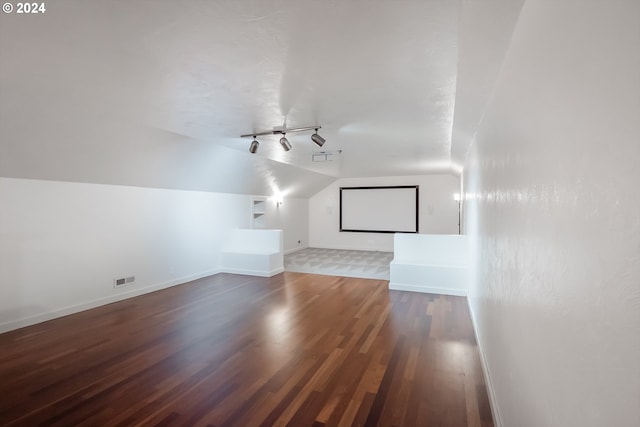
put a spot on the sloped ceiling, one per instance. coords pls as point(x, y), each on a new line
point(485, 32)
point(156, 94)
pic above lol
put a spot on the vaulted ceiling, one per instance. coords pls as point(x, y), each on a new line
point(157, 93)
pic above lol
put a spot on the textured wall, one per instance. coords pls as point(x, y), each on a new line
point(553, 210)
point(438, 211)
point(62, 244)
point(292, 216)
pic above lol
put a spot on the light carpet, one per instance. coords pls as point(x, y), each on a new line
point(339, 262)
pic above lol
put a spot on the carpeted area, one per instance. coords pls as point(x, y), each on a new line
point(339, 262)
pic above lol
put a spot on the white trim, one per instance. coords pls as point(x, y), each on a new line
point(427, 289)
point(497, 419)
point(76, 308)
point(290, 251)
point(351, 248)
point(260, 273)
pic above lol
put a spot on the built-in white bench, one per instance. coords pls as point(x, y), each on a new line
point(254, 252)
point(432, 263)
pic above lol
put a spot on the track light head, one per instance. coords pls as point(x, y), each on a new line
point(285, 143)
point(254, 146)
point(317, 139)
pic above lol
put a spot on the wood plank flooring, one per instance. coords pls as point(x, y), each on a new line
point(292, 350)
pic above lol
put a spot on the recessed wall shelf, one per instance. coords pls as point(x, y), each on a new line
point(258, 212)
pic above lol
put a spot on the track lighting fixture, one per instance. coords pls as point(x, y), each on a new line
point(284, 142)
point(317, 139)
point(254, 146)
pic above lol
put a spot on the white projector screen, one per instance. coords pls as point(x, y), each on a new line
point(379, 209)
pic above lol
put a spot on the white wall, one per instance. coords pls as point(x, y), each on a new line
point(62, 244)
point(553, 209)
point(438, 212)
point(292, 216)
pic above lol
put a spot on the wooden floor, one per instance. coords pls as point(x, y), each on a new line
point(295, 349)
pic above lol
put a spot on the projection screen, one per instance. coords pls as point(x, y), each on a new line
point(379, 209)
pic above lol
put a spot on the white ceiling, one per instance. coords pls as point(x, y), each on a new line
point(157, 93)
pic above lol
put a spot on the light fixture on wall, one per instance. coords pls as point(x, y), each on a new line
point(284, 142)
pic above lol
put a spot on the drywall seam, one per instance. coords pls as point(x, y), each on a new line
point(497, 419)
point(76, 308)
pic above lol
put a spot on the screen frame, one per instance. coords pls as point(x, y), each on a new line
point(386, 187)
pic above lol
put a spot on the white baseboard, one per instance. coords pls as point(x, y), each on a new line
point(259, 273)
point(290, 251)
point(426, 289)
point(119, 296)
point(352, 248)
point(497, 420)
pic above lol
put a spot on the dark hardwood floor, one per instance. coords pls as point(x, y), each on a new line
point(291, 350)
